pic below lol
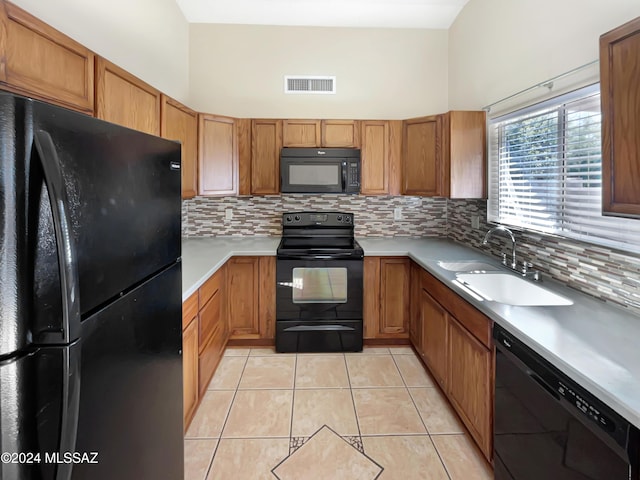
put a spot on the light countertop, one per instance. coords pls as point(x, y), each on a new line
point(590, 341)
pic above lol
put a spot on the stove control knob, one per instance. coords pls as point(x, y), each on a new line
point(297, 218)
point(288, 218)
point(339, 218)
point(348, 219)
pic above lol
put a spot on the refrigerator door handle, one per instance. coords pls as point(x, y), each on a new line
point(70, 408)
point(64, 242)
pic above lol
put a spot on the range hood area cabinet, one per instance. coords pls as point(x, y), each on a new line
point(620, 100)
point(445, 155)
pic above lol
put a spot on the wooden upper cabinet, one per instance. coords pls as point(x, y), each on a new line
point(620, 100)
point(375, 158)
point(38, 61)
point(464, 148)
point(125, 99)
point(217, 155)
point(181, 123)
point(445, 155)
point(266, 143)
point(340, 133)
point(301, 133)
point(422, 165)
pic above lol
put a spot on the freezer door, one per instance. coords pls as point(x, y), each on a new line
point(131, 397)
point(39, 393)
point(88, 210)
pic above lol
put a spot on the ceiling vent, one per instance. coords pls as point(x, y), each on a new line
point(309, 84)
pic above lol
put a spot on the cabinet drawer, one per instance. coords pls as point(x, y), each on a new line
point(210, 287)
point(475, 322)
point(189, 309)
point(209, 357)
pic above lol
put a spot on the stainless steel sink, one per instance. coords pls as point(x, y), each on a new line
point(467, 266)
point(510, 289)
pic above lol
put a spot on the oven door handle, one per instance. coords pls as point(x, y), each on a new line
point(319, 328)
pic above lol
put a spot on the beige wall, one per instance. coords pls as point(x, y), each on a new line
point(149, 38)
point(499, 47)
point(239, 70)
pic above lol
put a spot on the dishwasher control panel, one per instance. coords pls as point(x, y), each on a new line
point(585, 406)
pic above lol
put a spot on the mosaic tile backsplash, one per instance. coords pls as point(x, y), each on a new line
point(610, 275)
point(421, 217)
point(607, 274)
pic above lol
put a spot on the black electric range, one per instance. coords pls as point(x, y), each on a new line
point(319, 276)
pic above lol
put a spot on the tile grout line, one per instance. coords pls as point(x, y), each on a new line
point(226, 418)
point(421, 419)
point(353, 400)
point(293, 399)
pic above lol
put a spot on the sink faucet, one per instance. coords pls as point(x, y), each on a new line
point(506, 231)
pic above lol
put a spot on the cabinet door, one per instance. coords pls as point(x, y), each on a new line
point(340, 133)
point(620, 100)
point(181, 123)
point(126, 100)
point(415, 316)
point(301, 133)
point(217, 152)
point(434, 336)
point(371, 300)
point(38, 61)
point(464, 150)
point(267, 300)
point(243, 297)
point(266, 143)
point(394, 296)
point(210, 318)
point(190, 370)
point(471, 381)
point(375, 157)
point(422, 166)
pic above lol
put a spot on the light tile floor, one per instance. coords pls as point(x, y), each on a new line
point(354, 416)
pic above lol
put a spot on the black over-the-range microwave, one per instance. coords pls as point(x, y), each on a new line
point(320, 170)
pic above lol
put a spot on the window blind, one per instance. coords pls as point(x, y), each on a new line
point(545, 171)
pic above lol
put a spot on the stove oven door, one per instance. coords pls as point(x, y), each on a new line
point(318, 304)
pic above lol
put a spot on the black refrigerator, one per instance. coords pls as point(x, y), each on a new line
point(90, 298)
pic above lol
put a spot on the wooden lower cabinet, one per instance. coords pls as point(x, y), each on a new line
point(434, 320)
point(454, 341)
point(470, 384)
point(190, 357)
point(251, 284)
point(386, 297)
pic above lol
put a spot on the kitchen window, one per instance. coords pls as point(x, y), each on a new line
point(545, 171)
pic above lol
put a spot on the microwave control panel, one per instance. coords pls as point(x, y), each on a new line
point(353, 174)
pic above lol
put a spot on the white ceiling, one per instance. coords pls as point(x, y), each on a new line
point(325, 13)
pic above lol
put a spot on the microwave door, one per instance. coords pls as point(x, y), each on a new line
point(310, 176)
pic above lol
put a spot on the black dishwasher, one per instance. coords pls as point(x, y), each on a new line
point(548, 427)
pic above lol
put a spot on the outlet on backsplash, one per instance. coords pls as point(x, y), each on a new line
point(475, 221)
point(397, 213)
point(228, 214)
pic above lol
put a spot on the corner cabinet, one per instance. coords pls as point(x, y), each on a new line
point(386, 303)
point(620, 100)
point(251, 297)
point(217, 155)
point(181, 123)
point(454, 341)
point(445, 155)
point(38, 61)
point(125, 99)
